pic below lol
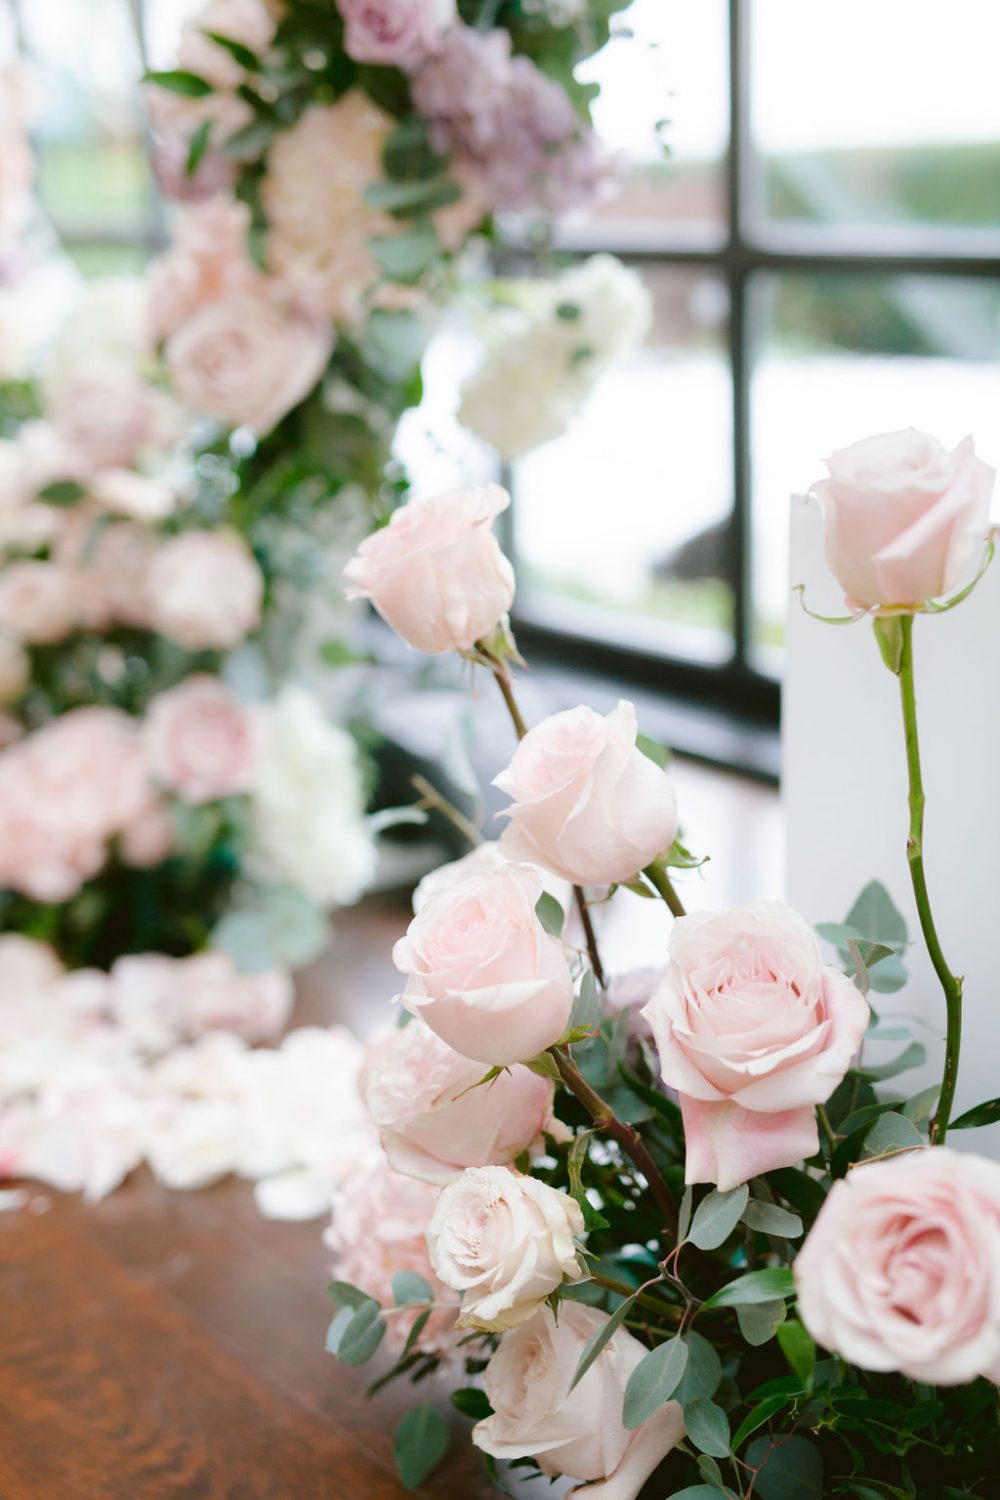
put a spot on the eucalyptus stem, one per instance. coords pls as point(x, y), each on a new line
point(659, 877)
point(627, 1137)
point(506, 686)
point(951, 984)
point(624, 1290)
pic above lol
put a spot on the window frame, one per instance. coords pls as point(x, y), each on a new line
point(740, 683)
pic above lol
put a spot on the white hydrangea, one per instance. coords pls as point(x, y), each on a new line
point(545, 356)
point(308, 807)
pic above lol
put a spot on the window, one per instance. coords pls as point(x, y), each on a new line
point(824, 265)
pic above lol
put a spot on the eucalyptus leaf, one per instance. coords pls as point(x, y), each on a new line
point(769, 1218)
point(356, 1333)
point(708, 1427)
point(911, 1057)
point(406, 256)
point(420, 1444)
point(684, 1213)
point(599, 1338)
point(587, 1006)
point(550, 914)
point(755, 1286)
point(789, 1469)
point(408, 1287)
point(759, 1322)
point(891, 1132)
point(765, 1409)
point(699, 1492)
point(710, 1471)
point(923, 1105)
point(702, 1372)
point(716, 1216)
point(423, 195)
point(653, 1381)
point(798, 1348)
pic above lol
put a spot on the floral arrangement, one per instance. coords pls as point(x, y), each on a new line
point(673, 1223)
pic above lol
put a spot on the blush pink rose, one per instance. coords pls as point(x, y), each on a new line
point(205, 591)
point(433, 1121)
point(903, 517)
point(576, 1433)
point(586, 802)
point(394, 33)
point(215, 996)
point(436, 573)
point(207, 261)
point(485, 859)
point(379, 1227)
point(245, 362)
point(483, 972)
point(39, 602)
point(107, 415)
point(65, 793)
point(148, 837)
point(201, 742)
point(901, 1270)
point(753, 1031)
point(123, 492)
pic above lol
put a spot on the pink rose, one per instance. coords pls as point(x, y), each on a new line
point(483, 972)
point(436, 573)
point(485, 859)
point(201, 742)
point(39, 603)
point(120, 560)
point(379, 1227)
point(576, 1433)
point(205, 591)
point(903, 517)
point(123, 492)
point(901, 1270)
point(586, 802)
point(394, 33)
point(147, 839)
point(214, 996)
point(432, 1120)
point(753, 1031)
point(245, 362)
point(106, 414)
point(65, 792)
point(207, 261)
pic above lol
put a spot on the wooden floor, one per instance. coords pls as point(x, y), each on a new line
point(171, 1344)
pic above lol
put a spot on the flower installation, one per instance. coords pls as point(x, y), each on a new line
point(674, 1222)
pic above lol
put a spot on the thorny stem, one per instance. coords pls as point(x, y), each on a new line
point(431, 797)
point(627, 1137)
point(591, 938)
point(951, 984)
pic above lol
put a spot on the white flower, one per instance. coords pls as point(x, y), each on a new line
point(506, 1242)
point(546, 356)
point(308, 806)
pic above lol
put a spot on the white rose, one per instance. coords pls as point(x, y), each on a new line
point(506, 1242)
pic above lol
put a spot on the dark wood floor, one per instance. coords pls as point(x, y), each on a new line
point(169, 1346)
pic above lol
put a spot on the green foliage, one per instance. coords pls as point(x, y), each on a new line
point(755, 1286)
point(716, 1216)
point(982, 1114)
point(790, 1468)
point(420, 1445)
point(550, 914)
point(654, 1380)
point(707, 1427)
point(599, 1339)
point(178, 81)
point(878, 929)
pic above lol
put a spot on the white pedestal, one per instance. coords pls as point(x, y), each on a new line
point(845, 800)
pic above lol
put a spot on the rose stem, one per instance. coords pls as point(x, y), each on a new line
point(658, 875)
point(431, 797)
point(506, 687)
point(627, 1136)
point(951, 984)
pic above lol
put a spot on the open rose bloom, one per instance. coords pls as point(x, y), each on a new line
point(753, 1030)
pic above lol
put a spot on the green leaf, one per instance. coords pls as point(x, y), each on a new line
point(337, 653)
point(236, 50)
point(699, 1492)
point(710, 1472)
point(356, 1333)
point(599, 1338)
point(197, 147)
point(912, 1057)
point(472, 1402)
point(424, 195)
point(408, 153)
point(891, 1132)
point(684, 1214)
point(179, 81)
point(544, 1065)
point(798, 1348)
point(421, 1443)
point(716, 1216)
point(702, 1372)
point(789, 1469)
point(707, 1427)
point(653, 1381)
point(407, 1287)
point(981, 1114)
point(345, 1294)
point(761, 1413)
point(393, 342)
point(251, 140)
point(755, 1286)
point(550, 914)
point(405, 257)
point(651, 749)
point(587, 1006)
point(875, 916)
point(575, 1158)
point(889, 635)
point(62, 492)
point(759, 1322)
point(923, 1105)
point(801, 1191)
point(769, 1218)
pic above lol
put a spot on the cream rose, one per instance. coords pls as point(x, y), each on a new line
point(433, 1121)
point(245, 362)
point(901, 1270)
point(39, 602)
point(903, 517)
point(753, 1031)
point(577, 1433)
point(200, 740)
point(204, 591)
point(586, 802)
point(506, 1242)
point(436, 573)
point(484, 973)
